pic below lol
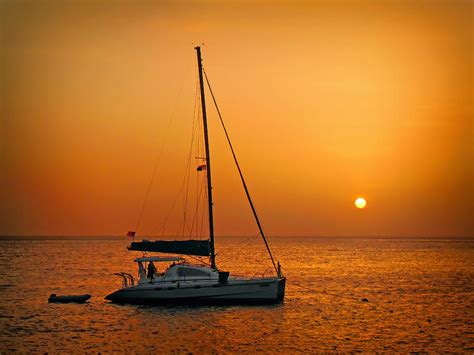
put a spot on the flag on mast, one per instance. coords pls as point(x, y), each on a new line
point(202, 167)
point(131, 234)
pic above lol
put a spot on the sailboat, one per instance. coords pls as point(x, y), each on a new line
point(187, 283)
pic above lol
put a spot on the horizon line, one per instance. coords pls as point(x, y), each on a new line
point(115, 236)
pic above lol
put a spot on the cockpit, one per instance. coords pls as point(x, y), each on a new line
point(179, 270)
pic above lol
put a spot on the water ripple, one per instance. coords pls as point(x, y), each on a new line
point(419, 299)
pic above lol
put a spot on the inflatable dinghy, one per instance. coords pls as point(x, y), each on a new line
point(53, 298)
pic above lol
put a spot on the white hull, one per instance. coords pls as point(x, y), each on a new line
point(260, 290)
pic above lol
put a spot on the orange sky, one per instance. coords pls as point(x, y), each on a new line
point(325, 101)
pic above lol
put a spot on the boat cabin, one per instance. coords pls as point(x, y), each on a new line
point(179, 270)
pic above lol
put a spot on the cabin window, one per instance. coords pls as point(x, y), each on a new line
point(188, 272)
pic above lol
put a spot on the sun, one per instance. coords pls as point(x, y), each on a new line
point(360, 202)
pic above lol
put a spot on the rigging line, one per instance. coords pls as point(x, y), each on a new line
point(248, 240)
point(203, 212)
point(180, 191)
point(202, 152)
point(185, 199)
point(331, 294)
point(197, 259)
point(157, 161)
point(195, 130)
point(197, 196)
point(188, 171)
point(199, 185)
point(241, 175)
point(165, 220)
point(187, 177)
point(196, 212)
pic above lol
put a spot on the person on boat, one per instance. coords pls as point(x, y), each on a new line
point(151, 271)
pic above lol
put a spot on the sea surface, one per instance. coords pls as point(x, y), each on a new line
point(420, 295)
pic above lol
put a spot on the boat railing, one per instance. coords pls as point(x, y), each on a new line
point(267, 273)
point(247, 275)
point(127, 279)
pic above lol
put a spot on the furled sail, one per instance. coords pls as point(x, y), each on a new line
point(187, 247)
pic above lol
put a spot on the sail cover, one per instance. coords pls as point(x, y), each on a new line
point(187, 247)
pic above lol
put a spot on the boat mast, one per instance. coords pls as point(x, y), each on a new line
point(208, 159)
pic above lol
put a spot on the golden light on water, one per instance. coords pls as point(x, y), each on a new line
point(360, 202)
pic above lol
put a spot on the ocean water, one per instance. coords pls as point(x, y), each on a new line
point(420, 296)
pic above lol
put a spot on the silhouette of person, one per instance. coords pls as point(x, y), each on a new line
point(151, 272)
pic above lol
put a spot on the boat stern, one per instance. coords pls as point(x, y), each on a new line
point(281, 289)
